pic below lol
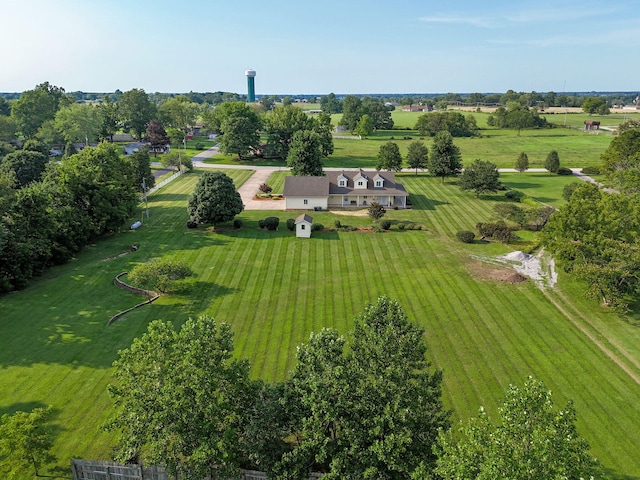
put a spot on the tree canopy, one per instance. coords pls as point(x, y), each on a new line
point(454, 122)
point(136, 110)
point(532, 440)
point(215, 199)
point(305, 154)
point(181, 399)
point(372, 411)
point(444, 158)
point(389, 157)
point(621, 161)
point(552, 162)
point(481, 176)
point(417, 155)
point(522, 162)
point(35, 107)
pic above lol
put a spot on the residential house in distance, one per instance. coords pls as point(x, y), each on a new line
point(355, 189)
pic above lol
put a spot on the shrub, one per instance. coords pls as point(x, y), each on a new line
point(192, 224)
point(199, 146)
point(376, 211)
point(568, 190)
point(291, 224)
point(237, 223)
point(385, 224)
point(564, 171)
point(515, 195)
point(591, 170)
point(337, 224)
point(499, 230)
point(271, 223)
point(316, 227)
point(264, 188)
point(377, 228)
point(401, 226)
point(411, 226)
point(261, 223)
point(465, 236)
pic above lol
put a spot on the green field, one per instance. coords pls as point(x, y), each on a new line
point(275, 289)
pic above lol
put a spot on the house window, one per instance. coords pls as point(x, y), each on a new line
point(360, 183)
point(364, 196)
point(302, 227)
point(378, 183)
point(305, 201)
point(342, 183)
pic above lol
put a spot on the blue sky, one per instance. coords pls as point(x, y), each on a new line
point(348, 46)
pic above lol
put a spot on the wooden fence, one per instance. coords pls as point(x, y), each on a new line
point(96, 470)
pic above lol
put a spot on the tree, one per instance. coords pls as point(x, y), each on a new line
point(621, 161)
point(7, 129)
point(364, 128)
point(179, 112)
point(597, 105)
point(215, 199)
point(330, 104)
point(552, 162)
point(159, 274)
point(444, 158)
point(454, 122)
point(389, 157)
point(35, 107)
point(79, 123)
point(181, 399)
point(376, 211)
point(481, 177)
point(110, 118)
point(351, 112)
point(156, 136)
point(27, 165)
point(136, 110)
point(522, 162)
point(417, 155)
point(379, 113)
point(305, 154)
point(25, 442)
point(372, 411)
point(282, 123)
point(141, 163)
point(241, 134)
point(532, 440)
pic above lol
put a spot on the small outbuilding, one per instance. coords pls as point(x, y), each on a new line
point(303, 226)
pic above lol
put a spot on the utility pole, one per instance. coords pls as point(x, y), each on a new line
point(144, 189)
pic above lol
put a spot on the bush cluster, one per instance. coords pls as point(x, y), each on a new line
point(316, 227)
point(498, 230)
point(515, 195)
point(465, 236)
point(237, 223)
point(593, 170)
point(564, 171)
point(401, 226)
point(271, 223)
point(385, 224)
point(291, 224)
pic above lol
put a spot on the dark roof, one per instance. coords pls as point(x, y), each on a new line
point(304, 218)
point(306, 186)
point(328, 185)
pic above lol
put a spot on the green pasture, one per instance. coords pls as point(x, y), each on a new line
point(275, 289)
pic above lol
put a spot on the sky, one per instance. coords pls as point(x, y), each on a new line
point(304, 47)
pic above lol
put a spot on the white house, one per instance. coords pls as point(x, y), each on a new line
point(357, 189)
point(303, 226)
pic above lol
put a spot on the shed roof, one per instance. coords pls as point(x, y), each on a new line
point(304, 218)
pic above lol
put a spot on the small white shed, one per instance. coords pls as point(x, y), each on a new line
point(303, 226)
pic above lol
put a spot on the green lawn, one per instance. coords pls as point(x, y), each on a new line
point(275, 289)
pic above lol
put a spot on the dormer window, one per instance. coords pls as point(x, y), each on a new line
point(342, 180)
point(378, 183)
point(360, 183)
point(342, 183)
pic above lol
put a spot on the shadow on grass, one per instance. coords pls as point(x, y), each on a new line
point(422, 202)
point(20, 407)
point(613, 475)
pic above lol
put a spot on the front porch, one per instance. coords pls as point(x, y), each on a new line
point(359, 201)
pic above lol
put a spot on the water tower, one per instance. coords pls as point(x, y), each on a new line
point(251, 86)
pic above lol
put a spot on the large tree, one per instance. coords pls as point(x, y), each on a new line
point(533, 440)
point(552, 162)
point(597, 105)
point(35, 107)
point(351, 112)
point(622, 161)
point(179, 112)
point(444, 157)
point(282, 123)
point(79, 123)
point(181, 399)
point(364, 128)
point(522, 162)
point(417, 155)
point(305, 154)
point(27, 165)
point(141, 163)
point(454, 122)
point(214, 200)
point(330, 104)
point(157, 136)
point(239, 125)
point(25, 443)
point(136, 110)
point(389, 157)
point(481, 176)
point(372, 411)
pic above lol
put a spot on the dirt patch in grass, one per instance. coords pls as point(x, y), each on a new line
point(485, 271)
point(353, 213)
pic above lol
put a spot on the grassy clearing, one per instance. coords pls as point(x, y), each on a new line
point(484, 334)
